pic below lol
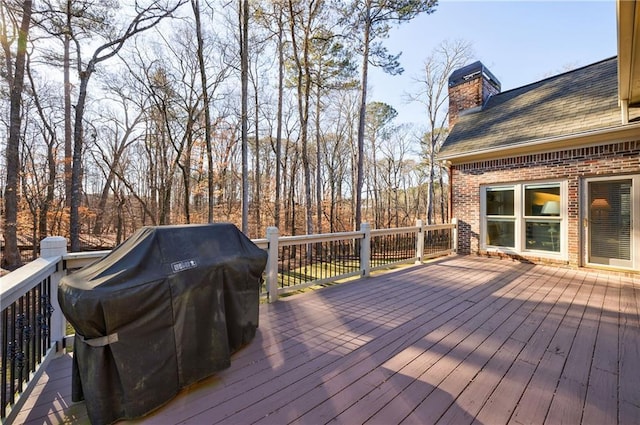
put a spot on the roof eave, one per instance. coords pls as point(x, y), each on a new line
point(622, 133)
point(628, 18)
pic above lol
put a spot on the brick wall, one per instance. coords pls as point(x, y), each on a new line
point(464, 96)
point(573, 165)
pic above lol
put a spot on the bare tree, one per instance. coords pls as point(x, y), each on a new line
point(368, 22)
point(433, 94)
point(273, 19)
point(47, 115)
point(243, 26)
point(121, 134)
point(378, 125)
point(303, 23)
point(11, 32)
point(332, 69)
point(145, 18)
point(195, 6)
point(337, 150)
point(394, 147)
point(279, 11)
point(73, 22)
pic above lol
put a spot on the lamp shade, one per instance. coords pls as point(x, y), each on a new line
point(551, 208)
point(600, 204)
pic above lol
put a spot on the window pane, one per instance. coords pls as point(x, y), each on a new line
point(543, 236)
point(542, 201)
point(500, 202)
point(501, 233)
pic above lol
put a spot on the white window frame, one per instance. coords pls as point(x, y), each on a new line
point(520, 219)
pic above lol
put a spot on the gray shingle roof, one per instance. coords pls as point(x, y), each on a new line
point(580, 100)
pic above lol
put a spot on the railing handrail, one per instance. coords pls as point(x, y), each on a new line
point(394, 231)
point(20, 281)
point(85, 254)
point(320, 237)
point(76, 260)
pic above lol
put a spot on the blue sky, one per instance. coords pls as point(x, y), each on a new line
point(519, 41)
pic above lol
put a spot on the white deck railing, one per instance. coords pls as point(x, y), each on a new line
point(32, 327)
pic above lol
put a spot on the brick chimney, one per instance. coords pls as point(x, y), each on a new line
point(469, 88)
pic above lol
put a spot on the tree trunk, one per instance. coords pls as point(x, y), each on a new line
point(361, 121)
point(443, 199)
point(11, 259)
point(318, 167)
point(185, 168)
point(278, 188)
point(303, 83)
point(244, 76)
point(256, 180)
point(104, 197)
point(49, 136)
point(195, 5)
point(431, 192)
point(76, 169)
point(68, 134)
point(44, 208)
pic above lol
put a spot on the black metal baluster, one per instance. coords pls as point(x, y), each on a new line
point(12, 353)
point(20, 323)
point(285, 266)
point(5, 354)
point(322, 260)
point(38, 321)
point(27, 333)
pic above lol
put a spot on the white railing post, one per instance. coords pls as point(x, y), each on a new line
point(365, 250)
point(55, 246)
point(272, 263)
point(454, 234)
point(419, 242)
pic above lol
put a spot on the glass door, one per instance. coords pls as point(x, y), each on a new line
point(610, 216)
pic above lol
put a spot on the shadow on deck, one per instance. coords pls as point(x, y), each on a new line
point(459, 340)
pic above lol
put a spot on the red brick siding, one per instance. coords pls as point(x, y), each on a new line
point(467, 95)
point(572, 165)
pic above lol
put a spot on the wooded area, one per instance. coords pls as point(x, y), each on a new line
point(117, 115)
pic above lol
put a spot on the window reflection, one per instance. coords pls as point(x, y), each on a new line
point(500, 202)
point(542, 201)
point(544, 236)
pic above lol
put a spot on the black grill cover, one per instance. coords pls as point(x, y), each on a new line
point(163, 310)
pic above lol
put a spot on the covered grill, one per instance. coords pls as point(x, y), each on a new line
point(163, 310)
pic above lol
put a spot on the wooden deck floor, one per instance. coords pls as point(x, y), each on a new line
point(461, 340)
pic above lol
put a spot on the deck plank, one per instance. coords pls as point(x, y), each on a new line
point(457, 341)
point(482, 386)
point(404, 331)
point(533, 376)
point(629, 390)
point(502, 324)
point(406, 366)
point(579, 333)
point(601, 404)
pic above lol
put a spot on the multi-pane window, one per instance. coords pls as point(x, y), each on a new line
point(500, 216)
point(524, 217)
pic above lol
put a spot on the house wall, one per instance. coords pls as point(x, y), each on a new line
point(573, 165)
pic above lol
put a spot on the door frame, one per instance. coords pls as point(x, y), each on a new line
point(634, 262)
